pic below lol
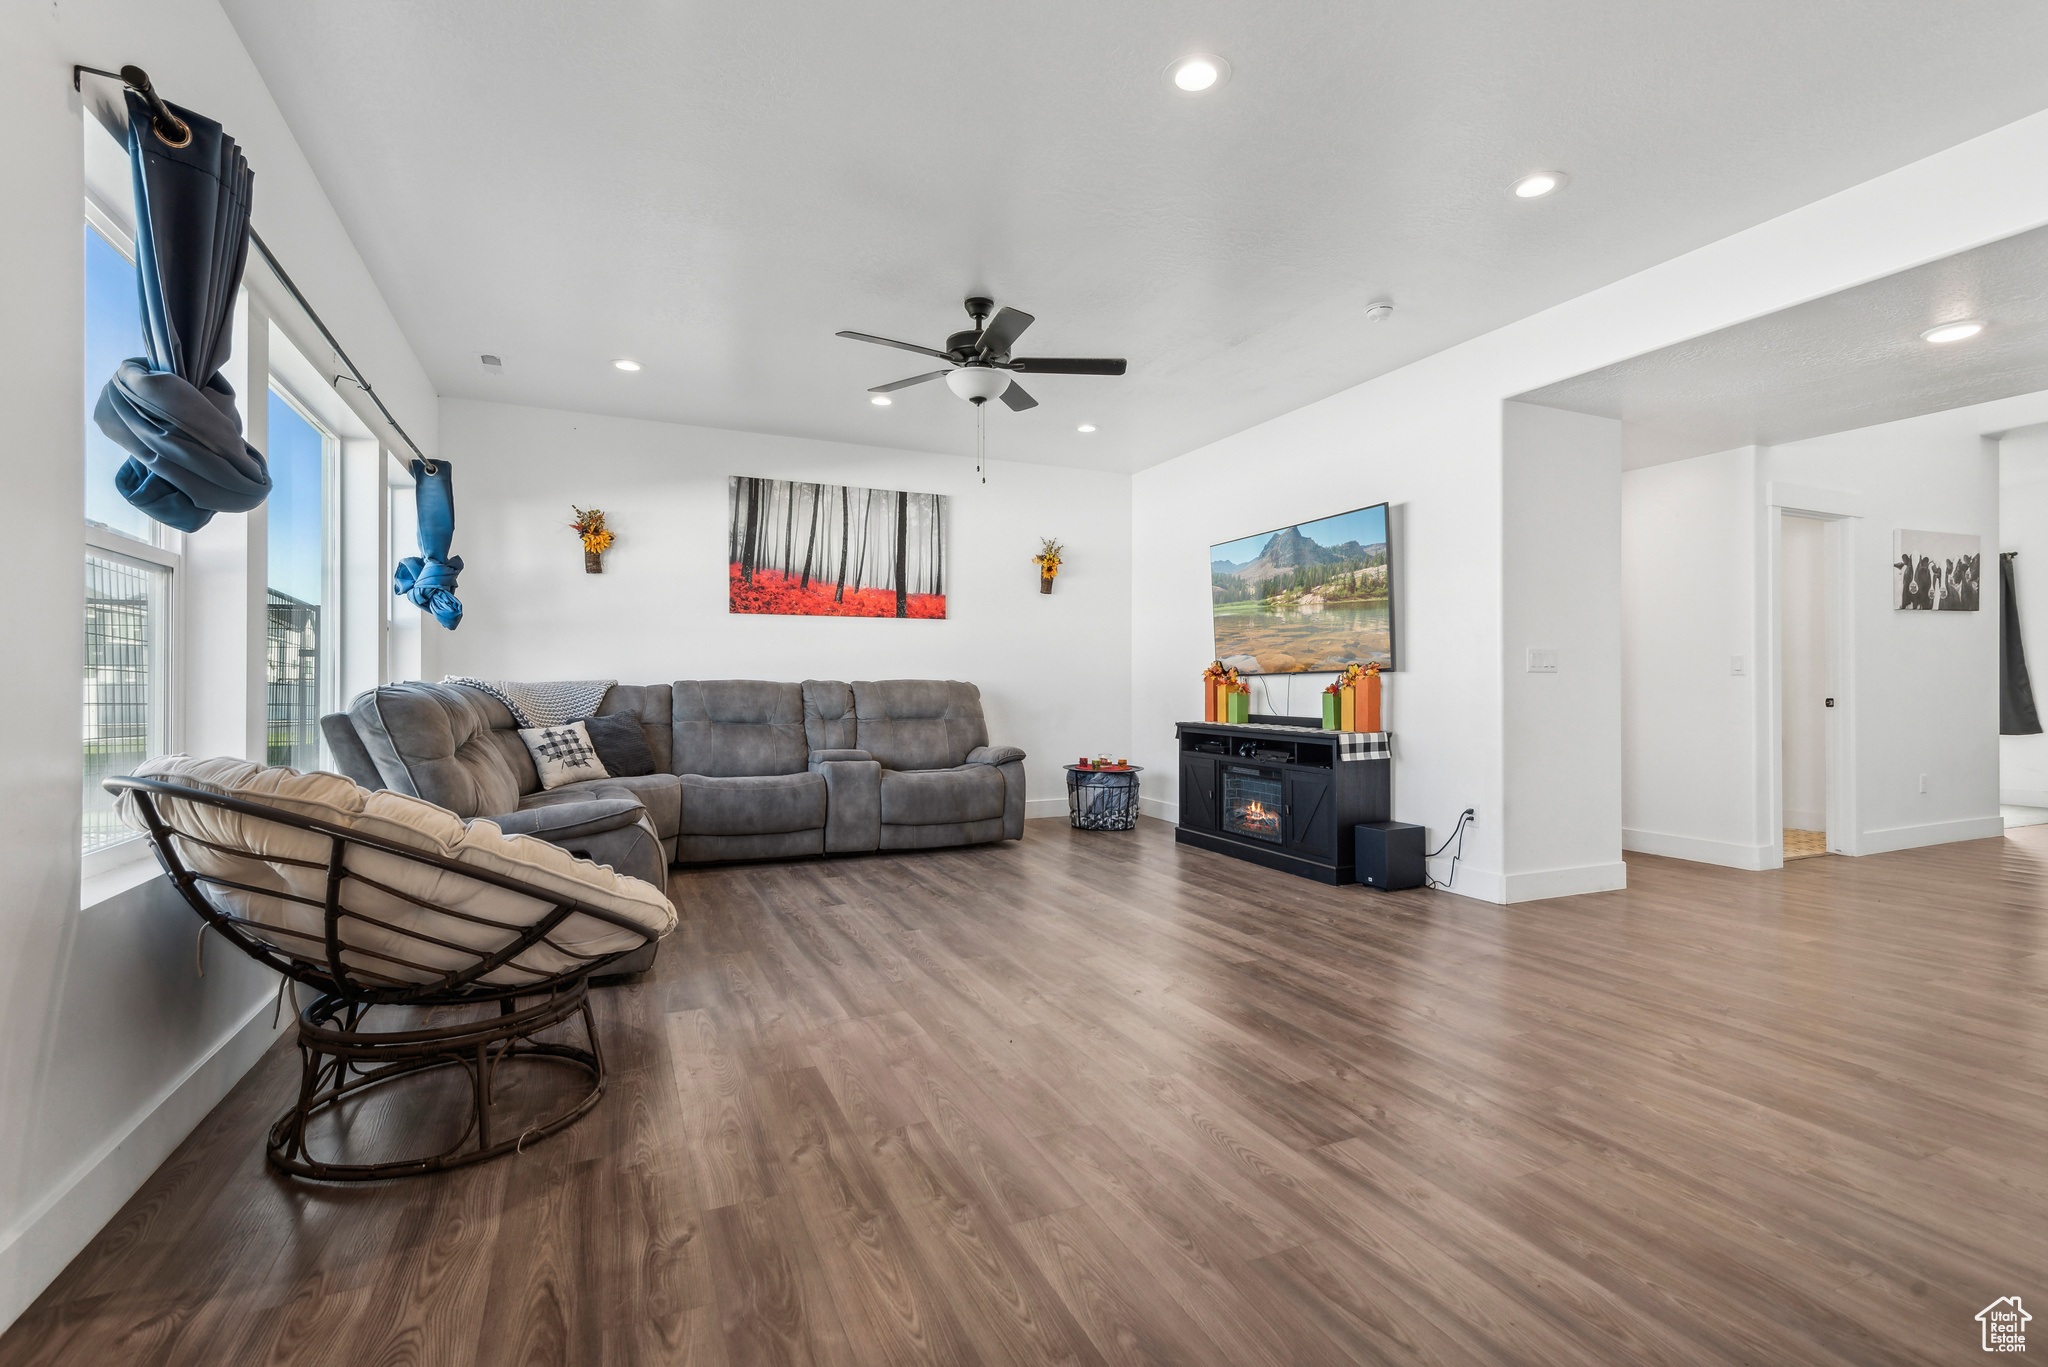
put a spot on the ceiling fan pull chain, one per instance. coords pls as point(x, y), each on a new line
point(981, 441)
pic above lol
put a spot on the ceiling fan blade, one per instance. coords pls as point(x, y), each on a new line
point(884, 341)
point(1003, 330)
point(905, 384)
point(1064, 365)
point(1017, 399)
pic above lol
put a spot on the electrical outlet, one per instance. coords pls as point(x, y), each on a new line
point(1738, 665)
point(1542, 661)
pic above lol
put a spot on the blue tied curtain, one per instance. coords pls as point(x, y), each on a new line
point(427, 580)
point(172, 410)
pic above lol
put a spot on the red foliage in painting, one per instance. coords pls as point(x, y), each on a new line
point(776, 592)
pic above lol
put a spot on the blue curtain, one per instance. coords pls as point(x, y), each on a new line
point(427, 580)
point(172, 410)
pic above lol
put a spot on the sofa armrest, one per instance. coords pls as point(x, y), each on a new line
point(994, 754)
point(564, 821)
point(853, 799)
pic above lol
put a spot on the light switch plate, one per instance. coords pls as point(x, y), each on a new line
point(1542, 661)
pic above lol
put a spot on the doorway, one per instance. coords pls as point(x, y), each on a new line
point(1806, 687)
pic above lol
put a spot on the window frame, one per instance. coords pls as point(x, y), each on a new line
point(166, 714)
point(328, 662)
point(163, 551)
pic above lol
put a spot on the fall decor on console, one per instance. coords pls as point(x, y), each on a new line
point(1048, 562)
point(1212, 696)
point(597, 538)
point(833, 550)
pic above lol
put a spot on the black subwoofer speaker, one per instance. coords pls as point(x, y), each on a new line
point(1389, 855)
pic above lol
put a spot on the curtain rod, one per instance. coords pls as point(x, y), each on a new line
point(161, 117)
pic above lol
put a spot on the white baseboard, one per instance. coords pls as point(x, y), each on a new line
point(1547, 883)
point(1037, 807)
point(50, 1233)
point(1725, 853)
point(1159, 807)
point(1935, 833)
point(2023, 797)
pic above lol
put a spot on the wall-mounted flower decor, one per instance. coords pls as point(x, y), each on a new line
point(597, 538)
point(1048, 562)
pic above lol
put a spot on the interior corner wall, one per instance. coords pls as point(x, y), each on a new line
point(2023, 527)
point(1561, 595)
point(1924, 685)
point(113, 1047)
point(1053, 669)
point(1689, 573)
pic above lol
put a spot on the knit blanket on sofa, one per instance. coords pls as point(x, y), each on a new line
point(543, 704)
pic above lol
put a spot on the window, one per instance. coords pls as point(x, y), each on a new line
point(299, 676)
point(129, 566)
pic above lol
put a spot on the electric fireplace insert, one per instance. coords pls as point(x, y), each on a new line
point(1251, 802)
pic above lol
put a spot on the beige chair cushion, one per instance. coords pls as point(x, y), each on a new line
point(257, 845)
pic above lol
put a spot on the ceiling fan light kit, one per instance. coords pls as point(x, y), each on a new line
point(977, 383)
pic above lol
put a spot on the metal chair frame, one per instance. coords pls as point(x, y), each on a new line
point(332, 1043)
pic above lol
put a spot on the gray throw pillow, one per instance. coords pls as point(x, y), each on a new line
point(620, 744)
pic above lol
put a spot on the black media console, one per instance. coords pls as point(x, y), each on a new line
point(1277, 793)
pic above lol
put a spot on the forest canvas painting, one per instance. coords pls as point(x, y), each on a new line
point(834, 550)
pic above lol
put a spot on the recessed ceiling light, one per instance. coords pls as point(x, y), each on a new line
point(1952, 332)
point(1200, 71)
point(881, 401)
point(1086, 427)
point(627, 365)
point(1537, 184)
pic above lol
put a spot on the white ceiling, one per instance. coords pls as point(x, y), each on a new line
point(715, 188)
point(1846, 360)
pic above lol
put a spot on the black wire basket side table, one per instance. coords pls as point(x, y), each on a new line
point(1103, 799)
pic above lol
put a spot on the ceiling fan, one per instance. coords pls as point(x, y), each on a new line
point(979, 363)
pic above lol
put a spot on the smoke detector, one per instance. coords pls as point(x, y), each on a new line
point(1379, 312)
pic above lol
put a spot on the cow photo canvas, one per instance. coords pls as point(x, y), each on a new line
point(1937, 571)
point(834, 550)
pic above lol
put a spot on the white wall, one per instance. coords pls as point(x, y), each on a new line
point(1054, 670)
point(1561, 592)
point(1803, 672)
point(2023, 527)
point(1918, 690)
point(1688, 574)
point(113, 1047)
point(1924, 684)
point(1430, 437)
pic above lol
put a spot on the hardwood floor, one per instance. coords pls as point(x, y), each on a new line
point(1095, 1098)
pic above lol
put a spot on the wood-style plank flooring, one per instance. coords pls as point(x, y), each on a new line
point(1093, 1098)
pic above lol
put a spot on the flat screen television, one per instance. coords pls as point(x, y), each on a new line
point(1306, 599)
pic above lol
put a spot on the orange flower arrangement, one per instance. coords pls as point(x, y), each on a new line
point(597, 538)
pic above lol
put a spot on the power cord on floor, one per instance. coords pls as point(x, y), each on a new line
point(1457, 834)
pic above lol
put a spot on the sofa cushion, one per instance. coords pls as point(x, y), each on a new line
point(731, 728)
point(918, 723)
point(653, 706)
point(283, 873)
point(763, 804)
point(828, 714)
point(934, 797)
point(660, 794)
point(621, 745)
point(444, 744)
point(562, 754)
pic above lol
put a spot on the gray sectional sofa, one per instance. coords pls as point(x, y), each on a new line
point(756, 769)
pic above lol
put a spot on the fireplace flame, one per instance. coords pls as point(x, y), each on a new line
point(1259, 815)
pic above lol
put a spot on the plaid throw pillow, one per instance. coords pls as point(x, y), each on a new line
point(562, 754)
